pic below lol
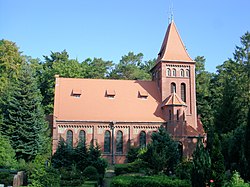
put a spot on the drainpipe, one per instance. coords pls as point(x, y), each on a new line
point(112, 127)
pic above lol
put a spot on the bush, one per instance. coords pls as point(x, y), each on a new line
point(91, 173)
point(148, 181)
point(127, 168)
point(184, 169)
point(6, 178)
point(132, 154)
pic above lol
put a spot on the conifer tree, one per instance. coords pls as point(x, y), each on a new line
point(201, 166)
point(217, 163)
point(81, 155)
point(24, 120)
point(247, 145)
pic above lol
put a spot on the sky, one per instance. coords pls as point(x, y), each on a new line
point(110, 29)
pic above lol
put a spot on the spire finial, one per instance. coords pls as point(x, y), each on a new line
point(171, 13)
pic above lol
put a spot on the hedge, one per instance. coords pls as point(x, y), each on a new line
point(126, 168)
point(148, 181)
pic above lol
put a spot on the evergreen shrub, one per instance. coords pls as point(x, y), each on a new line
point(148, 181)
point(126, 168)
point(90, 173)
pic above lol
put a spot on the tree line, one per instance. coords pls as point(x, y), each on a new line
point(27, 93)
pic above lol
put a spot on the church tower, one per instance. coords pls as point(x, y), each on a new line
point(174, 73)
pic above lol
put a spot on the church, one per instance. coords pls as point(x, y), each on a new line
point(117, 114)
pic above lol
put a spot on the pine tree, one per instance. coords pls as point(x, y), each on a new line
point(217, 163)
point(247, 145)
point(81, 155)
point(24, 120)
point(162, 153)
point(201, 166)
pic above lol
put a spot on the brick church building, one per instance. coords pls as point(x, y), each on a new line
point(117, 114)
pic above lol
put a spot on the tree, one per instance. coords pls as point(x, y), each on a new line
point(203, 93)
point(217, 162)
point(247, 145)
point(162, 154)
point(201, 166)
point(131, 67)
point(7, 154)
point(24, 120)
point(81, 155)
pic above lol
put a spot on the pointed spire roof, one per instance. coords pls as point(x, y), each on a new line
point(172, 48)
point(173, 99)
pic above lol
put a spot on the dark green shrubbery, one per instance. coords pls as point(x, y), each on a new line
point(148, 181)
point(90, 173)
point(127, 168)
point(6, 178)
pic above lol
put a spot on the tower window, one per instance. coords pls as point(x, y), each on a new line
point(183, 92)
point(187, 73)
point(177, 115)
point(142, 139)
point(168, 72)
point(182, 73)
point(173, 87)
point(170, 115)
point(69, 138)
point(119, 142)
point(107, 141)
point(174, 72)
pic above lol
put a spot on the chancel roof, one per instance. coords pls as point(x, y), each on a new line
point(107, 100)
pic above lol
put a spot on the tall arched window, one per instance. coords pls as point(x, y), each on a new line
point(170, 115)
point(168, 72)
point(107, 142)
point(119, 142)
point(82, 135)
point(184, 116)
point(173, 87)
point(187, 73)
point(183, 92)
point(142, 139)
point(174, 72)
point(177, 115)
point(182, 73)
point(69, 138)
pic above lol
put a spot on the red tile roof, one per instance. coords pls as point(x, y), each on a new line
point(173, 99)
point(94, 103)
point(172, 48)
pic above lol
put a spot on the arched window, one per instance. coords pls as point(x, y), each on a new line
point(174, 72)
point(170, 115)
point(119, 142)
point(142, 139)
point(69, 138)
point(168, 72)
point(107, 142)
point(184, 116)
point(187, 73)
point(182, 73)
point(177, 115)
point(183, 92)
point(82, 136)
point(173, 87)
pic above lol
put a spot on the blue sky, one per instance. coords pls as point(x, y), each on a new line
point(110, 29)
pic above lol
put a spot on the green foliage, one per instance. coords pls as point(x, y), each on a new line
point(90, 173)
point(7, 154)
point(203, 93)
point(184, 169)
point(201, 166)
point(131, 67)
point(133, 167)
point(162, 154)
point(24, 119)
point(237, 181)
point(247, 145)
point(6, 178)
point(132, 154)
point(41, 174)
point(217, 163)
point(148, 181)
